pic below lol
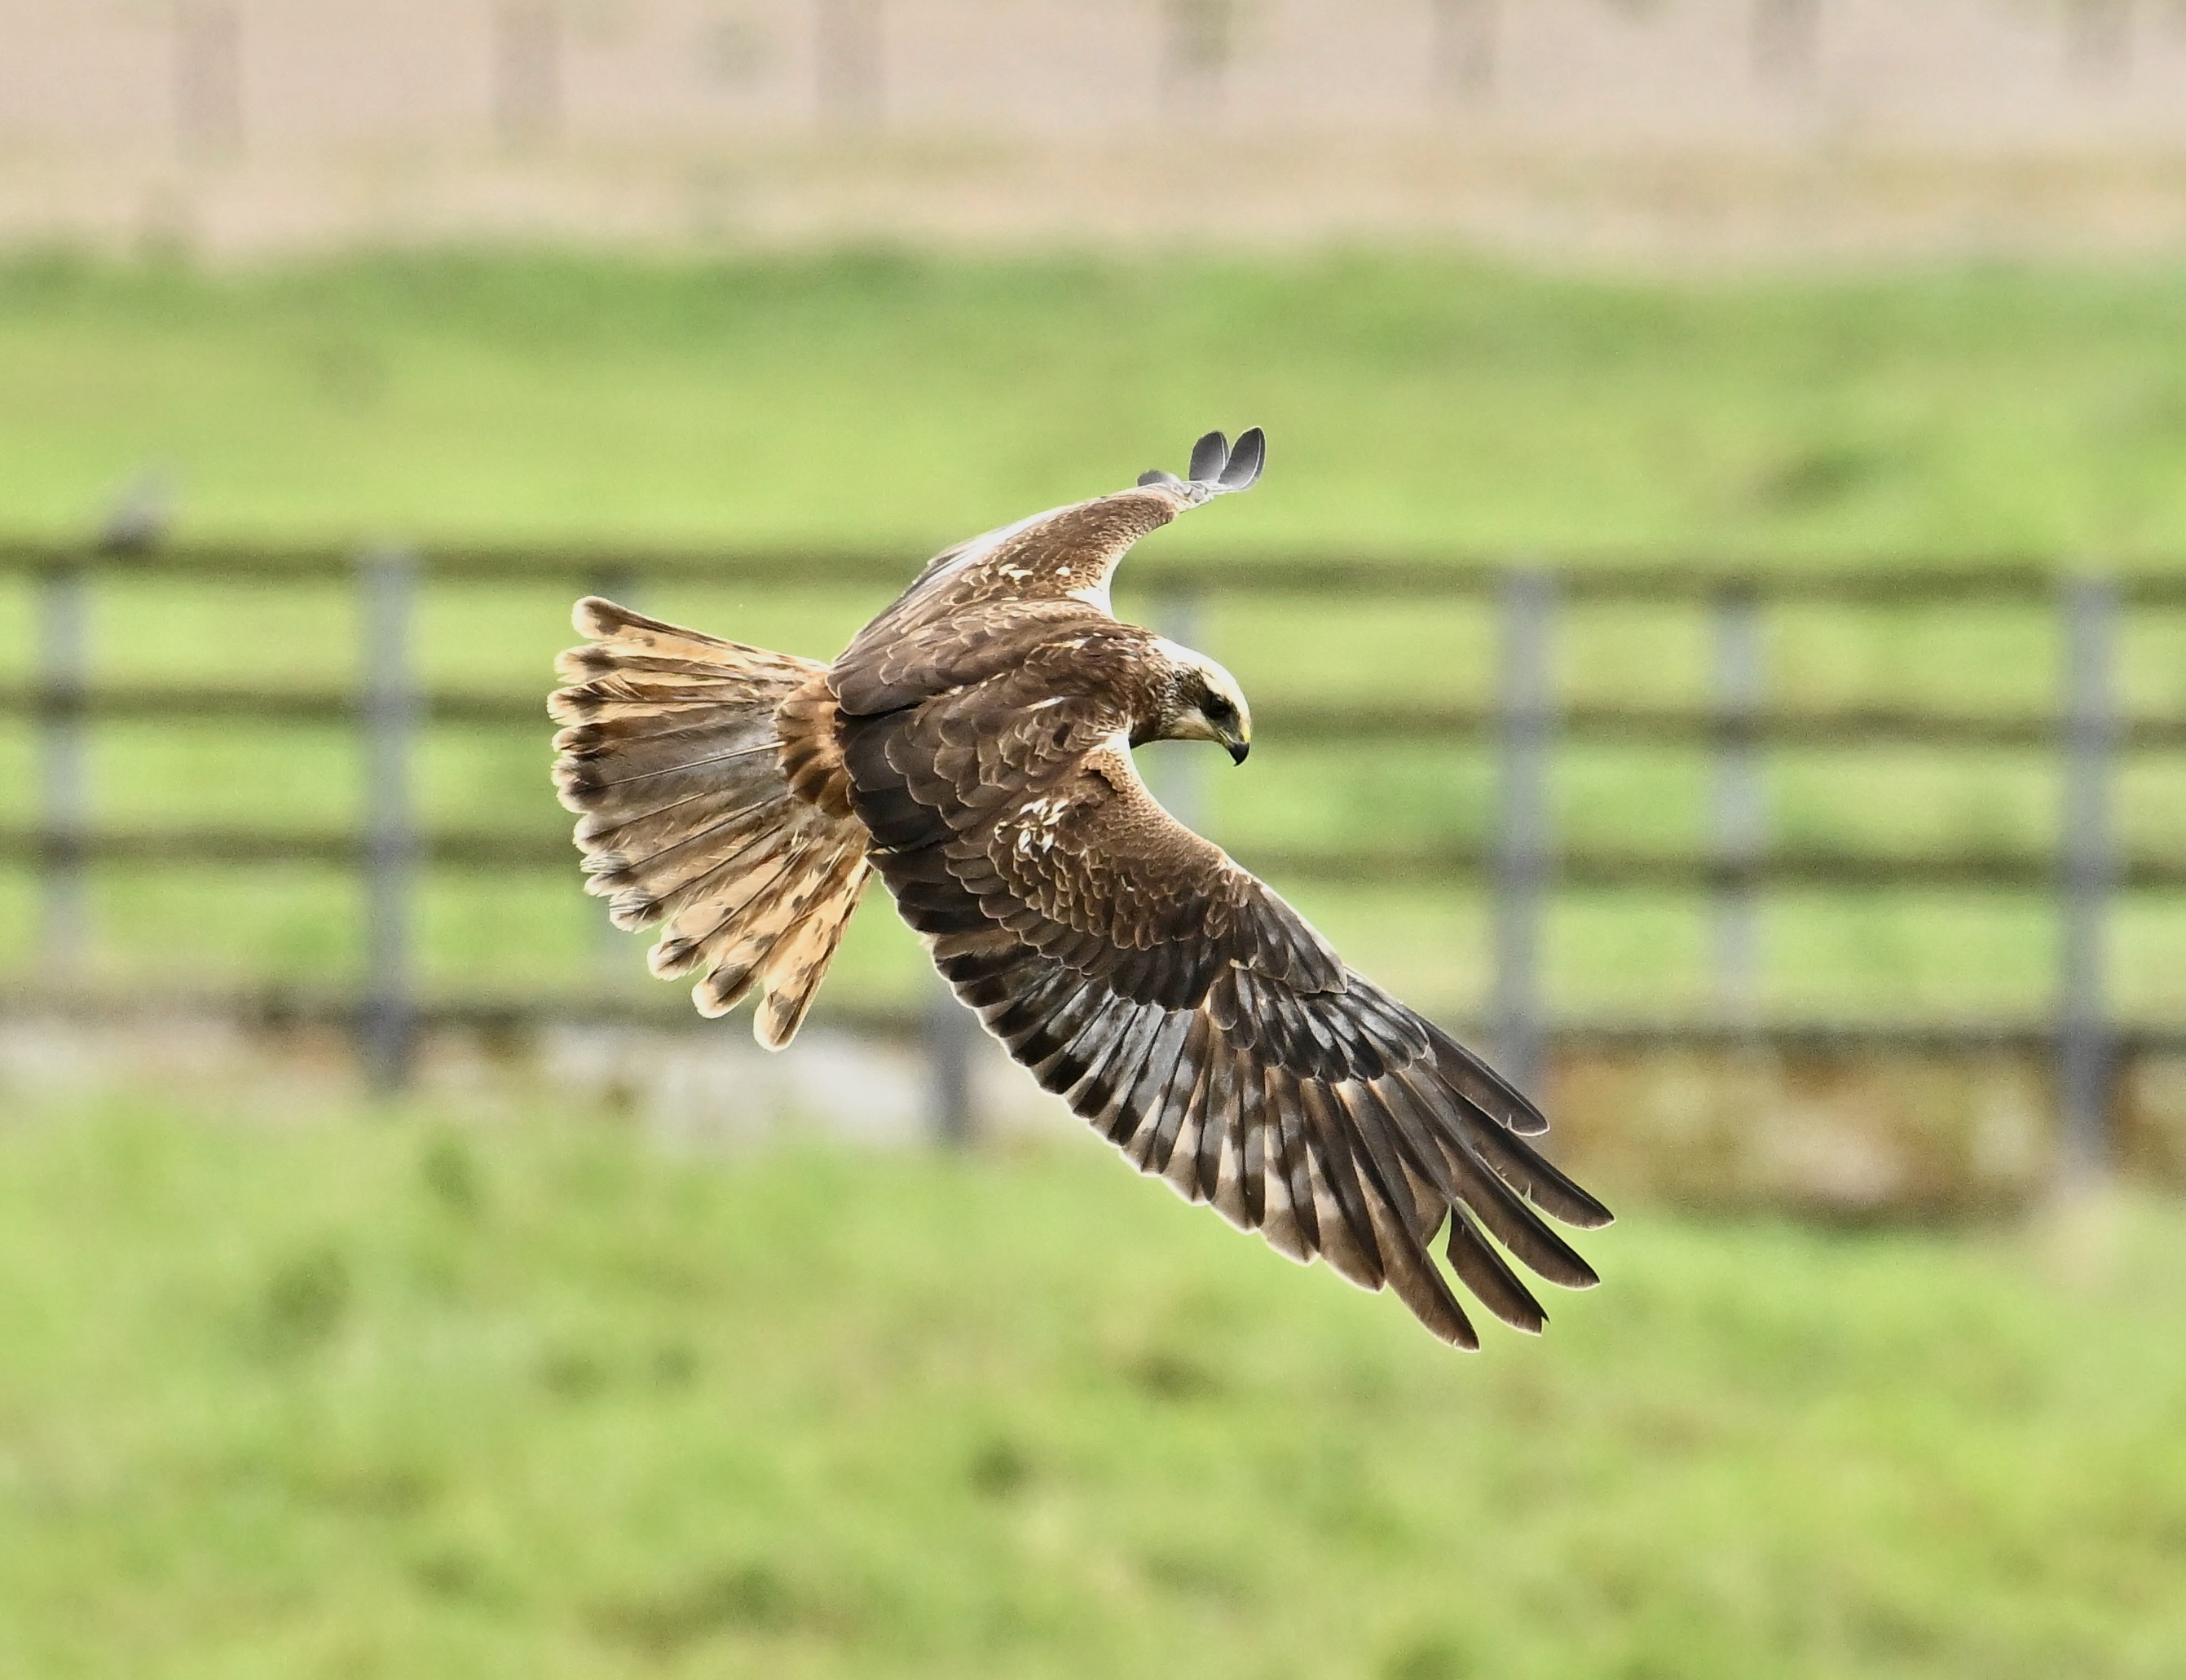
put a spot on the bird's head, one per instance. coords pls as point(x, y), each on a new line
point(1201, 703)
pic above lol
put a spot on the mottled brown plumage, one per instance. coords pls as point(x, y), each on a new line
point(972, 746)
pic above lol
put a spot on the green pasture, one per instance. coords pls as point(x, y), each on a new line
point(1420, 402)
point(1416, 404)
point(313, 1395)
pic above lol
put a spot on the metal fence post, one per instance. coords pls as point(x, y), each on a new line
point(1463, 54)
point(951, 1030)
point(2087, 872)
point(1523, 838)
point(1786, 39)
point(527, 72)
point(850, 48)
point(1200, 44)
point(2099, 41)
point(1739, 806)
point(63, 783)
point(387, 1020)
point(208, 46)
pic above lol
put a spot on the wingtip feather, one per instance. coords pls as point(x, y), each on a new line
point(1247, 458)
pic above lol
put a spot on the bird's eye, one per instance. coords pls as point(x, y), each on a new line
point(1216, 707)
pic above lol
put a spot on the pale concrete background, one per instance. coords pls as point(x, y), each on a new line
point(1846, 1135)
point(1665, 128)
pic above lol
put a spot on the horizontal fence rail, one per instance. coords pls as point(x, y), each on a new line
point(1899, 582)
point(1517, 857)
point(1335, 720)
point(1454, 864)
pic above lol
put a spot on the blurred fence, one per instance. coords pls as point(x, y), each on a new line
point(240, 124)
point(1521, 862)
point(214, 80)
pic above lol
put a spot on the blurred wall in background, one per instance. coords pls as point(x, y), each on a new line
point(1673, 127)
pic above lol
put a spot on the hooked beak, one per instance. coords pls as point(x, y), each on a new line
point(1238, 748)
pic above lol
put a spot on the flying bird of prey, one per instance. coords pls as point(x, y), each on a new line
point(973, 746)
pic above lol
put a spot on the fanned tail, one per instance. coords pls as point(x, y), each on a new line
point(672, 753)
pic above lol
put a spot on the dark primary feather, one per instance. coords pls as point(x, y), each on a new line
point(1242, 470)
point(1208, 456)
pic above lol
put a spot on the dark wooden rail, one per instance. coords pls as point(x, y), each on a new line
point(1452, 864)
point(1334, 719)
point(1901, 581)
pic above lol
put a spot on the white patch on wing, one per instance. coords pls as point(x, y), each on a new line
point(1096, 595)
point(1117, 747)
point(1037, 821)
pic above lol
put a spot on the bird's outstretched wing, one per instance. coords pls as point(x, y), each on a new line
point(1182, 1007)
point(1066, 555)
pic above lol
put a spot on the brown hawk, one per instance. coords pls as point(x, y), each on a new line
point(973, 745)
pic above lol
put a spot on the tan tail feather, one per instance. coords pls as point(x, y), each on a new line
point(796, 965)
point(602, 620)
point(671, 753)
point(756, 944)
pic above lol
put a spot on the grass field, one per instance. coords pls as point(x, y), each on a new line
point(388, 1396)
point(1416, 404)
point(1419, 402)
point(416, 1394)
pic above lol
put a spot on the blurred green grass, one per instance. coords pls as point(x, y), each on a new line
point(348, 1395)
point(1416, 404)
